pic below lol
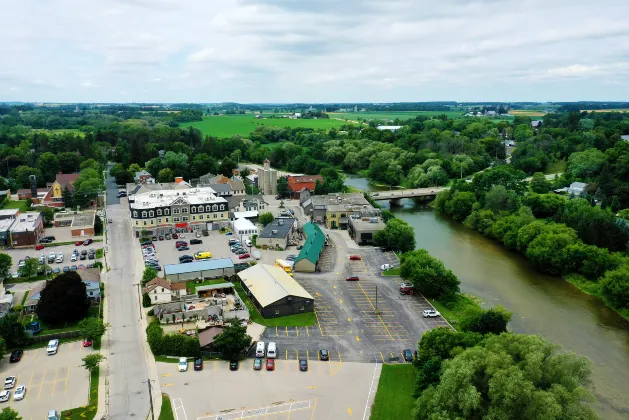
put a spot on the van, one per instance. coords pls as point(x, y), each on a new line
point(271, 352)
point(202, 255)
point(260, 349)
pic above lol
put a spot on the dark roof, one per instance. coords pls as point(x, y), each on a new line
point(281, 225)
point(221, 188)
point(66, 180)
point(315, 239)
point(157, 282)
point(207, 337)
point(90, 274)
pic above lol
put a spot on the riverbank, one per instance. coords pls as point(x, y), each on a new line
point(594, 289)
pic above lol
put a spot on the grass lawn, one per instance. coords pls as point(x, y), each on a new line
point(392, 115)
point(17, 204)
point(92, 312)
point(89, 411)
point(166, 412)
point(99, 253)
point(394, 397)
point(300, 320)
point(191, 286)
point(230, 125)
point(392, 272)
point(456, 310)
point(555, 167)
point(25, 279)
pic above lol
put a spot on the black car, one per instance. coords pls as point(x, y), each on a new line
point(16, 356)
point(44, 241)
point(408, 355)
point(154, 238)
point(324, 355)
point(66, 269)
point(233, 365)
point(91, 256)
point(84, 252)
point(56, 270)
point(303, 365)
point(50, 238)
point(146, 243)
point(195, 241)
point(186, 257)
point(83, 257)
point(198, 363)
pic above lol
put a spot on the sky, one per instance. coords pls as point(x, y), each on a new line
point(279, 51)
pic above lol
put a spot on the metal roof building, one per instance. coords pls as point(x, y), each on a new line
point(209, 269)
point(274, 293)
point(309, 255)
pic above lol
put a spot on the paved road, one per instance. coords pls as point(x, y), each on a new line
point(128, 396)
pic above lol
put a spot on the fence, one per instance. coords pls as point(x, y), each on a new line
point(48, 337)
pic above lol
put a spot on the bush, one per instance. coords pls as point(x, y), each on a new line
point(146, 300)
point(151, 312)
point(171, 344)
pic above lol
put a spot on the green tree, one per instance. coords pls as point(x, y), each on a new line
point(615, 287)
point(233, 340)
point(8, 413)
point(123, 177)
point(5, 265)
point(428, 274)
point(282, 187)
point(396, 235)
point(459, 206)
point(166, 175)
point(266, 218)
point(203, 164)
point(22, 176)
point(491, 321)
point(70, 162)
point(30, 267)
point(510, 376)
point(149, 274)
point(546, 251)
point(227, 167)
point(461, 163)
point(539, 183)
point(48, 164)
point(68, 198)
point(146, 300)
point(512, 179)
point(63, 300)
point(12, 331)
point(113, 171)
point(544, 206)
point(498, 199)
point(133, 168)
point(585, 164)
point(92, 328)
point(92, 360)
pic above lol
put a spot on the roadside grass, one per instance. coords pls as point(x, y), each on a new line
point(191, 286)
point(26, 279)
point(166, 359)
point(89, 411)
point(392, 272)
point(17, 204)
point(456, 310)
point(99, 253)
point(394, 397)
point(555, 167)
point(166, 412)
point(307, 319)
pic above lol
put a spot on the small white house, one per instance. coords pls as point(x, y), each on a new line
point(391, 128)
point(159, 290)
point(244, 226)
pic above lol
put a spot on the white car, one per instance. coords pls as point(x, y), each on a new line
point(385, 267)
point(431, 313)
point(59, 258)
point(19, 393)
point(183, 364)
point(73, 258)
point(4, 396)
point(198, 234)
point(9, 382)
point(53, 346)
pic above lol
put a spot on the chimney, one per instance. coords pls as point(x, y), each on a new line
point(33, 180)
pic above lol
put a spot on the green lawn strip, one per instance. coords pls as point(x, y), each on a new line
point(24, 298)
point(455, 311)
point(306, 319)
point(89, 411)
point(555, 167)
point(394, 397)
point(43, 344)
point(393, 272)
point(17, 204)
point(25, 279)
point(166, 359)
point(191, 286)
point(593, 288)
point(99, 253)
point(166, 412)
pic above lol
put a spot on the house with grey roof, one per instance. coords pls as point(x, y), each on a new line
point(278, 233)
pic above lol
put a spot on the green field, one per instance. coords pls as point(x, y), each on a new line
point(229, 125)
point(17, 204)
point(402, 115)
point(394, 398)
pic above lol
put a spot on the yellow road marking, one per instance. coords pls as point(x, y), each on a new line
point(382, 356)
point(167, 385)
point(166, 375)
point(318, 294)
point(286, 331)
point(297, 330)
point(54, 382)
point(286, 354)
point(357, 338)
point(297, 354)
point(307, 331)
point(307, 355)
point(349, 411)
point(374, 308)
point(65, 391)
point(215, 363)
point(341, 300)
point(349, 319)
point(276, 333)
point(318, 324)
point(314, 408)
point(334, 287)
point(42, 384)
point(311, 387)
point(340, 360)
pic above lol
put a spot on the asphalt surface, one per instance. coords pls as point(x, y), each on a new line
point(128, 396)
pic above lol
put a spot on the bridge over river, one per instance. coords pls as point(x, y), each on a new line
point(410, 193)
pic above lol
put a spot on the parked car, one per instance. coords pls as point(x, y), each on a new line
point(406, 288)
point(183, 248)
point(160, 237)
point(167, 236)
point(408, 355)
point(83, 257)
point(198, 234)
point(82, 267)
point(87, 343)
point(303, 365)
point(5, 396)
point(243, 256)
point(385, 267)
point(232, 242)
point(9, 382)
point(355, 257)
point(324, 354)
point(198, 363)
point(50, 238)
point(66, 269)
point(352, 278)
point(122, 194)
point(56, 270)
point(91, 256)
point(109, 221)
point(270, 364)
point(175, 236)
point(87, 241)
point(73, 268)
point(39, 247)
point(257, 364)
point(180, 243)
point(431, 313)
point(74, 257)
point(19, 393)
point(44, 241)
point(195, 241)
point(51, 257)
point(183, 364)
point(186, 257)
point(233, 365)
point(16, 356)
point(78, 243)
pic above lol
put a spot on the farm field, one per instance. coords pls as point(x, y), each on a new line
point(526, 113)
point(606, 110)
point(229, 125)
point(402, 115)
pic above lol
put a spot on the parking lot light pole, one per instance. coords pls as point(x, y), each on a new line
point(148, 381)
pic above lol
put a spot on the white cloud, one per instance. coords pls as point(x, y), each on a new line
point(323, 51)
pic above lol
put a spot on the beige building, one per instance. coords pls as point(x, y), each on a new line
point(267, 179)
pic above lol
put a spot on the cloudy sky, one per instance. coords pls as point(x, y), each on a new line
point(313, 51)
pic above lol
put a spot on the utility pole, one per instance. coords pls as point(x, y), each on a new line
point(148, 381)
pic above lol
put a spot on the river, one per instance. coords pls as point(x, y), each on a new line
point(544, 305)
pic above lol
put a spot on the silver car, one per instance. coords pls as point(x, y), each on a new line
point(431, 313)
point(5, 396)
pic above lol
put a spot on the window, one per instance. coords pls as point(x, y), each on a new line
point(194, 218)
point(200, 217)
point(137, 222)
point(222, 206)
point(159, 220)
point(222, 215)
point(175, 211)
point(159, 212)
point(166, 212)
point(184, 210)
point(185, 218)
point(91, 293)
point(175, 219)
point(208, 208)
point(193, 209)
point(143, 214)
point(200, 209)
point(145, 223)
point(167, 220)
point(277, 312)
point(155, 298)
point(151, 213)
point(214, 207)
point(135, 214)
point(333, 215)
point(215, 215)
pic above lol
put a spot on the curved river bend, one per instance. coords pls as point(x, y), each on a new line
point(544, 305)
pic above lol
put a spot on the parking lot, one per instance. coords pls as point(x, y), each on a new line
point(52, 382)
point(20, 254)
point(328, 390)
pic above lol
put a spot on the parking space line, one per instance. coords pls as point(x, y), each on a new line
point(276, 333)
point(54, 382)
point(286, 331)
point(286, 354)
point(41, 385)
point(67, 377)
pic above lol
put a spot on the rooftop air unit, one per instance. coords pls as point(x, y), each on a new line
point(274, 232)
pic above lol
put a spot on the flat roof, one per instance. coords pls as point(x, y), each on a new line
point(245, 214)
point(214, 286)
point(338, 199)
point(5, 224)
point(26, 222)
point(269, 283)
point(162, 198)
point(281, 225)
point(244, 224)
point(9, 212)
point(198, 266)
point(368, 224)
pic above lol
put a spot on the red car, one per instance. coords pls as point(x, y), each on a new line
point(270, 364)
point(352, 278)
point(39, 246)
point(243, 256)
point(355, 257)
point(87, 343)
point(78, 243)
point(175, 236)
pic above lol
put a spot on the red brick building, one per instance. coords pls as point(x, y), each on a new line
point(298, 182)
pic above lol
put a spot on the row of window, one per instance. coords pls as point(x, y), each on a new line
point(177, 219)
point(193, 209)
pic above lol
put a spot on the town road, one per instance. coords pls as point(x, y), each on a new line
point(128, 395)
